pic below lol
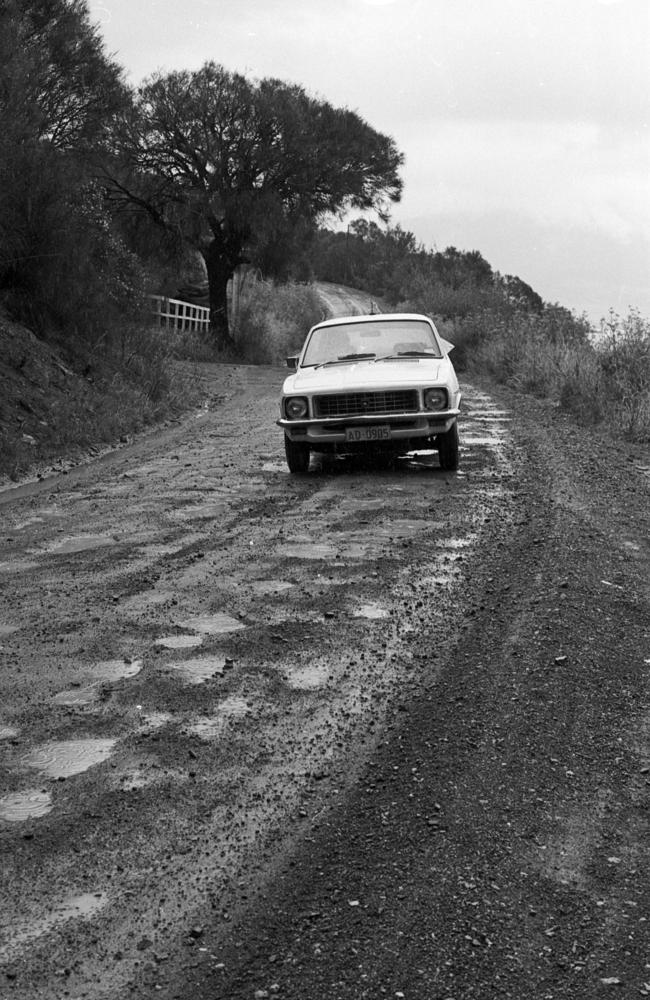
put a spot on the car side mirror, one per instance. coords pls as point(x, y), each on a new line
point(292, 362)
point(446, 345)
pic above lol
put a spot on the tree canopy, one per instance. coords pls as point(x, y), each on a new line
point(58, 93)
point(56, 82)
point(231, 165)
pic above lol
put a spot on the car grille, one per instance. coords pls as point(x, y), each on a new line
point(359, 404)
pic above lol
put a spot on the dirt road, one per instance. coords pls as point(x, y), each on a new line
point(353, 734)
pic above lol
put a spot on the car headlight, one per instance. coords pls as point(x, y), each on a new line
point(295, 407)
point(435, 399)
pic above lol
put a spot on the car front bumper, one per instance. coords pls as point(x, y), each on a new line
point(402, 426)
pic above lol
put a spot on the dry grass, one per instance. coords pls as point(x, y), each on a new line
point(54, 404)
point(274, 319)
point(598, 380)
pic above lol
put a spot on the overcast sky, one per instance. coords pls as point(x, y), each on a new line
point(525, 123)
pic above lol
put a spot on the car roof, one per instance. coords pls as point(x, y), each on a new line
point(372, 317)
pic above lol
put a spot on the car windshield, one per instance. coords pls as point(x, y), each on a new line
point(378, 339)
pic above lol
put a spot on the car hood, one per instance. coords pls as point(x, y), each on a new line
point(369, 375)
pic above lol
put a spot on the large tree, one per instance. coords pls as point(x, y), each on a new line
point(58, 91)
point(229, 165)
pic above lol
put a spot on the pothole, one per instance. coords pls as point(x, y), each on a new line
point(147, 598)
point(116, 670)
point(77, 696)
point(371, 611)
point(28, 804)
point(269, 587)
point(198, 670)
point(215, 624)
point(109, 671)
point(469, 440)
point(179, 641)
point(309, 550)
point(80, 543)
point(17, 566)
point(62, 760)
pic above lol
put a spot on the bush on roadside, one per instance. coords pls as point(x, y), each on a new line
point(624, 358)
point(552, 355)
point(274, 319)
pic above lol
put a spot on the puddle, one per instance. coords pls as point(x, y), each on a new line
point(62, 760)
point(179, 641)
point(469, 441)
point(371, 611)
point(216, 624)
point(20, 525)
point(269, 587)
point(107, 672)
point(85, 905)
point(80, 543)
point(17, 566)
point(200, 669)
point(28, 804)
point(77, 696)
point(323, 550)
point(309, 550)
point(308, 678)
point(206, 510)
point(8, 732)
point(146, 599)
point(116, 670)
point(403, 528)
point(6, 630)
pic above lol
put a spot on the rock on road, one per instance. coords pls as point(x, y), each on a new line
point(360, 733)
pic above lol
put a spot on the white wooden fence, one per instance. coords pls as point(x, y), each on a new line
point(176, 315)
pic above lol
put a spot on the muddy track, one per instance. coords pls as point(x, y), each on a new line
point(205, 659)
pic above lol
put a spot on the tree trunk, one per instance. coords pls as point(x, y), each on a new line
point(220, 270)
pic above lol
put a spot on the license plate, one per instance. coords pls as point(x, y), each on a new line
point(378, 432)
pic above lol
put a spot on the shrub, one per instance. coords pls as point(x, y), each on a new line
point(624, 356)
point(273, 320)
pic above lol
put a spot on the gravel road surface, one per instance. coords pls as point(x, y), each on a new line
point(363, 733)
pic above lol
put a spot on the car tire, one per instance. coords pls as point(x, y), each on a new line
point(297, 453)
point(447, 445)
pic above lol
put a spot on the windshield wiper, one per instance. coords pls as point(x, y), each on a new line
point(409, 354)
point(345, 357)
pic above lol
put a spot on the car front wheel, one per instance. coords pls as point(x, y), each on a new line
point(448, 448)
point(297, 453)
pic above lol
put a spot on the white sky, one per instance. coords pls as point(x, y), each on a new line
point(525, 123)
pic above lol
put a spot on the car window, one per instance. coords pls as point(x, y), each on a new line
point(383, 338)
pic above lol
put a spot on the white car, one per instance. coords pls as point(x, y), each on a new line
point(381, 383)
